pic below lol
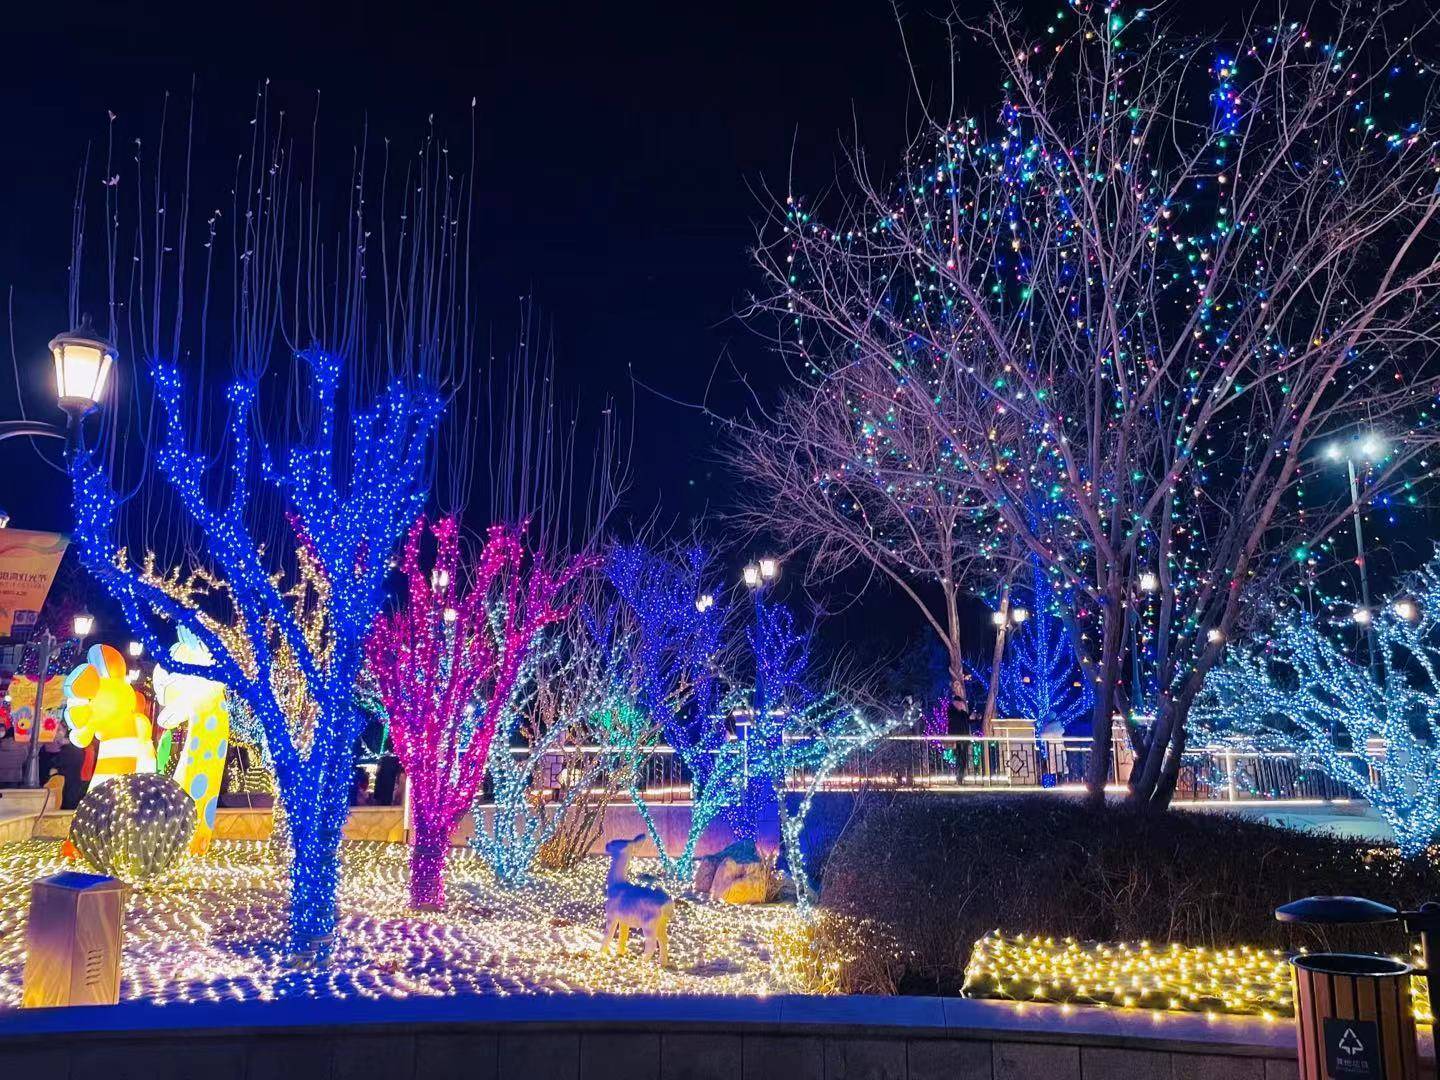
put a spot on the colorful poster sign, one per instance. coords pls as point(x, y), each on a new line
point(28, 561)
point(21, 699)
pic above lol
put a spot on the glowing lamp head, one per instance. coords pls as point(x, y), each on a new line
point(751, 575)
point(997, 618)
point(450, 615)
point(1019, 614)
point(82, 369)
point(83, 624)
point(439, 579)
point(704, 602)
point(1333, 451)
point(1215, 636)
point(1372, 447)
point(1149, 581)
point(136, 649)
point(769, 568)
point(1407, 610)
point(1361, 616)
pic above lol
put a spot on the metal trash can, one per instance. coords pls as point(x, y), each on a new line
point(1354, 1017)
point(73, 940)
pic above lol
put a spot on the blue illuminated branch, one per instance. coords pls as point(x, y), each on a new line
point(1376, 731)
point(346, 516)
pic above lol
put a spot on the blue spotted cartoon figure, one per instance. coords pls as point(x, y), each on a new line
point(199, 703)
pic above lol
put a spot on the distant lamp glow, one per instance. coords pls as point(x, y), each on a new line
point(440, 579)
point(1019, 614)
point(769, 568)
point(704, 602)
point(450, 615)
point(83, 624)
point(1407, 610)
point(1215, 636)
point(751, 575)
point(82, 368)
point(1149, 581)
point(136, 649)
point(1361, 616)
point(1372, 447)
point(1333, 451)
point(998, 618)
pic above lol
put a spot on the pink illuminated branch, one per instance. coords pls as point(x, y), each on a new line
point(447, 665)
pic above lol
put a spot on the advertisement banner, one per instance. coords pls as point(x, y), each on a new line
point(21, 700)
point(28, 561)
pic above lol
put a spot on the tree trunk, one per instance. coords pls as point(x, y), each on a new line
point(428, 856)
point(314, 881)
point(1097, 770)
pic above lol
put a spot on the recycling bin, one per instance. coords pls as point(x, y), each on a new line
point(1354, 1017)
point(73, 940)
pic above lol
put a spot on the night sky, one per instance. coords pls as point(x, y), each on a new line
point(623, 154)
point(623, 149)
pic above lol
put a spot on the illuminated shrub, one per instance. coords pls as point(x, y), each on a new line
point(135, 827)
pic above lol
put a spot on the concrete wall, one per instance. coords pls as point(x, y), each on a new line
point(616, 1038)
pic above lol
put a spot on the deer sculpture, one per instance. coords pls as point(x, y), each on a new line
point(630, 906)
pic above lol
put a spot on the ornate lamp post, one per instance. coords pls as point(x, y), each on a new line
point(83, 361)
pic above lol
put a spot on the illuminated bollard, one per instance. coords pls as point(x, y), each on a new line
point(73, 940)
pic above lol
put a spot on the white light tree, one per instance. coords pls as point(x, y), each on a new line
point(1142, 293)
point(1374, 728)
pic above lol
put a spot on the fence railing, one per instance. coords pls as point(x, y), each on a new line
point(950, 763)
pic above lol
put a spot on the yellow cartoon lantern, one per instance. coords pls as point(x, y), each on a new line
point(199, 703)
point(102, 707)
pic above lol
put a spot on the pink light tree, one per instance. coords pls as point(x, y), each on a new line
point(447, 664)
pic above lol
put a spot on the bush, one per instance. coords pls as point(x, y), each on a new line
point(939, 873)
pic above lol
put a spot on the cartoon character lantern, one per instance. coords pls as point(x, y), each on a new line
point(102, 707)
point(200, 703)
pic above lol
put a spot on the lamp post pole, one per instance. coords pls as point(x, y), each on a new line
point(46, 643)
point(1360, 559)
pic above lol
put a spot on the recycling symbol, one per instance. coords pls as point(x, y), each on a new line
point(1350, 1042)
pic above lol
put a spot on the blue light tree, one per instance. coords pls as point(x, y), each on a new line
point(346, 501)
point(1040, 677)
point(1374, 728)
point(674, 638)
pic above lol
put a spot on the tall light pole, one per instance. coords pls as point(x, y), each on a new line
point(83, 362)
point(1368, 448)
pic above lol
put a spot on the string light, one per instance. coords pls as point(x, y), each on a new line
point(447, 666)
point(347, 507)
point(1374, 729)
point(1242, 980)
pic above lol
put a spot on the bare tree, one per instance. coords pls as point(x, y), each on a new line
point(839, 469)
point(1139, 299)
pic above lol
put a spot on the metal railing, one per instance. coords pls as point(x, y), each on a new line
point(951, 763)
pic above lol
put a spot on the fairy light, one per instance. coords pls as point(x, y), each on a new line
point(347, 507)
point(1374, 731)
point(447, 667)
point(134, 827)
point(214, 931)
point(1241, 980)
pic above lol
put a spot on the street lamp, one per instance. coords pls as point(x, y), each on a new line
point(1368, 447)
point(751, 576)
point(83, 361)
point(704, 602)
point(83, 624)
point(82, 368)
point(769, 568)
point(1149, 581)
point(136, 649)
